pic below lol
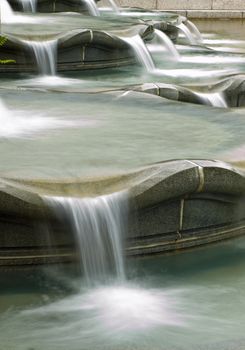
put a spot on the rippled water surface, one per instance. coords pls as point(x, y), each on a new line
point(85, 123)
point(192, 300)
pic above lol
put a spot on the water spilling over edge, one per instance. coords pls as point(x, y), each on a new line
point(99, 227)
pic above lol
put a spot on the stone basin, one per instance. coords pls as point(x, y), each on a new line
point(231, 88)
point(76, 50)
point(54, 6)
point(173, 205)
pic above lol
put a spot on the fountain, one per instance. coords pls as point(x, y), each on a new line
point(119, 226)
point(141, 52)
point(93, 10)
point(98, 226)
point(6, 13)
point(45, 54)
point(29, 5)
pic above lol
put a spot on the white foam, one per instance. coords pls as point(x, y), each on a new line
point(14, 124)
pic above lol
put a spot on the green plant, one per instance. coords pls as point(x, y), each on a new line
point(3, 40)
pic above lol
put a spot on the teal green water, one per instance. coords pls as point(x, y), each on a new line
point(85, 124)
point(87, 134)
point(191, 300)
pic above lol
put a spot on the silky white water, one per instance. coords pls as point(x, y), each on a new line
point(114, 6)
point(188, 34)
point(141, 52)
point(194, 30)
point(167, 43)
point(98, 225)
point(45, 55)
point(29, 5)
point(23, 124)
point(6, 13)
point(13, 124)
point(216, 99)
point(92, 7)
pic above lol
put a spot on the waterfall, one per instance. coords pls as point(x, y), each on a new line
point(92, 7)
point(141, 51)
point(6, 13)
point(216, 99)
point(98, 224)
point(114, 6)
point(194, 30)
point(167, 43)
point(45, 54)
point(188, 34)
point(29, 5)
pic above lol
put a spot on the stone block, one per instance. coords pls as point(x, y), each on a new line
point(228, 4)
point(210, 211)
point(170, 180)
point(146, 4)
point(161, 219)
point(214, 14)
point(184, 5)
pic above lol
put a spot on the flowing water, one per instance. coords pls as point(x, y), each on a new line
point(45, 54)
point(188, 34)
point(166, 42)
point(29, 5)
point(195, 31)
point(92, 126)
point(114, 6)
point(6, 13)
point(214, 99)
point(141, 52)
point(93, 9)
point(193, 300)
point(99, 225)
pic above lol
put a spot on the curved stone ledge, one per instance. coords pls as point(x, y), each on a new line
point(54, 6)
point(232, 89)
point(174, 205)
point(76, 50)
point(170, 91)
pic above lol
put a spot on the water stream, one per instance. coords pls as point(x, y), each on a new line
point(114, 6)
point(194, 30)
point(188, 34)
point(191, 300)
point(99, 226)
point(141, 52)
point(214, 99)
point(92, 7)
point(29, 5)
point(166, 42)
point(6, 13)
point(45, 54)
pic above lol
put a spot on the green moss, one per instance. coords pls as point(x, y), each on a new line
point(3, 41)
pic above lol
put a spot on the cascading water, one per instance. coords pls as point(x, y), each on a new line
point(141, 51)
point(6, 13)
point(45, 54)
point(98, 225)
point(194, 30)
point(188, 34)
point(167, 43)
point(29, 5)
point(92, 7)
point(216, 99)
point(114, 6)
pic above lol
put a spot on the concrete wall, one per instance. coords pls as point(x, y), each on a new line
point(193, 8)
point(187, 4)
